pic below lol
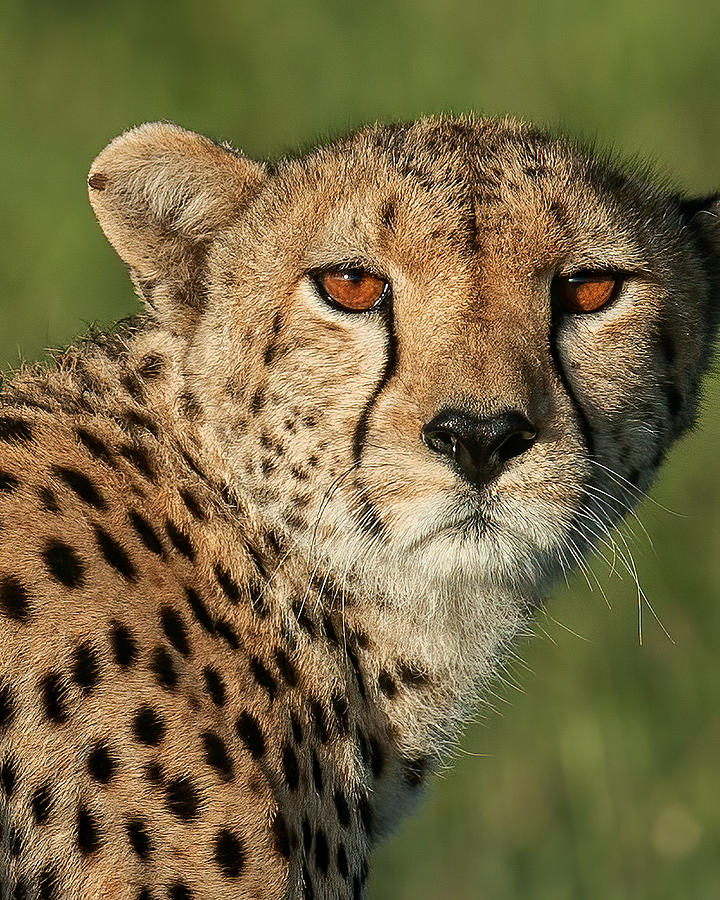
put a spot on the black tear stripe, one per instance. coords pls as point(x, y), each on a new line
point(582, 419)
point(368, 518)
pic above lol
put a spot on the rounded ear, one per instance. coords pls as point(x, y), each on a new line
point(691, 206)
point(702, 215)
point(160, 194)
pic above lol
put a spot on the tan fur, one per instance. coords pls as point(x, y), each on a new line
point(236, 485)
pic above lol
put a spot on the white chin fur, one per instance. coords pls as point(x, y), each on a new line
point(442, 551)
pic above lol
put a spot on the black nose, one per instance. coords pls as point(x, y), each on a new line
point(480, 447)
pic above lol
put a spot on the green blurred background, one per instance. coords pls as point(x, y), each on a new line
point(601, 776)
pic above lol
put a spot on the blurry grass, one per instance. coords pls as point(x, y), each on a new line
point(600, 779)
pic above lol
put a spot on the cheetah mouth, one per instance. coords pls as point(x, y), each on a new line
point(470, 528)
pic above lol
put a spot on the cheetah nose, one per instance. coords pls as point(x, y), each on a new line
point(479, 446)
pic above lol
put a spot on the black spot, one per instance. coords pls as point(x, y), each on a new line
point(226, 582)
point(257, 401)
point(290, 767)
point(193, 505)
point(139, 838)
point(148, 726)
point(388, 213)
point(342, 862)
point(8, 482)
point(352, 656)
point(387, 684)
point(227, 633)
point(175, 630)
point(281, 837)
point(14, 841)
point(342, 713)
point(123, 645)
point(675, 400)
point(81, 485)
point(144, 894)
point(296, 729)
point(357, 888)
point(7, 706)
point(249, 730)
point(415, 771)
point(319, 720)
point(14, 599)
point(322, 854)
point(47, 884)
point(101, 763)
point(97, 447)
point(179, 540)
point(317, 773)
point(329, 628)
point(214, 685)
point(287, 669)
point(216, 755)
point(151, 366)
point(20, 892)
point(199, 610)
point(8, 776)
point(138, 459)
point(87, 830)
point(263, 677)
point(178, 890)
point(114, 554)
point(306, 835)
point(182, 798)
point(48, 500)
point(146, 533)
point(376, 757)
point(341, 807)
point(366, 815)
point(229, 853)
point(411, 676)
point(86, 668)
point(163, 667)
point(64, 564)
point(667, 344)
point(154, 773)
point(41, 804)
point(14, 431)
point(54, 697)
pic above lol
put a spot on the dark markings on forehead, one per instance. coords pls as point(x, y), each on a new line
point(388, 214)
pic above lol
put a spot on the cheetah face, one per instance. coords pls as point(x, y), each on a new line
point(452, 351)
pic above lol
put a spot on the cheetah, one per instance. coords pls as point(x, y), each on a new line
point(262, 547)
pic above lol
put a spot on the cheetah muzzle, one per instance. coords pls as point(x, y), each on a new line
point(261, 549)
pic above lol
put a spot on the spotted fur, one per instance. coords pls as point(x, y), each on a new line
point(244, 610)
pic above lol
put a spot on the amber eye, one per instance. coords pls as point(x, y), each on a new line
point(586, 292)
point(354, 290)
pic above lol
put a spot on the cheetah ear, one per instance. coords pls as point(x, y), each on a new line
point(703, 217)
point(161, 194)
point(691, 206)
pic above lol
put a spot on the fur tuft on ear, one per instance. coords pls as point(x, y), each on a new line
point(160, 194)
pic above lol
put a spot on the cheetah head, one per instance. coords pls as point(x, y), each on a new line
point(452, 352)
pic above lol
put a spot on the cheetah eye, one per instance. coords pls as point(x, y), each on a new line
point(585, 292)
point(352, 289)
